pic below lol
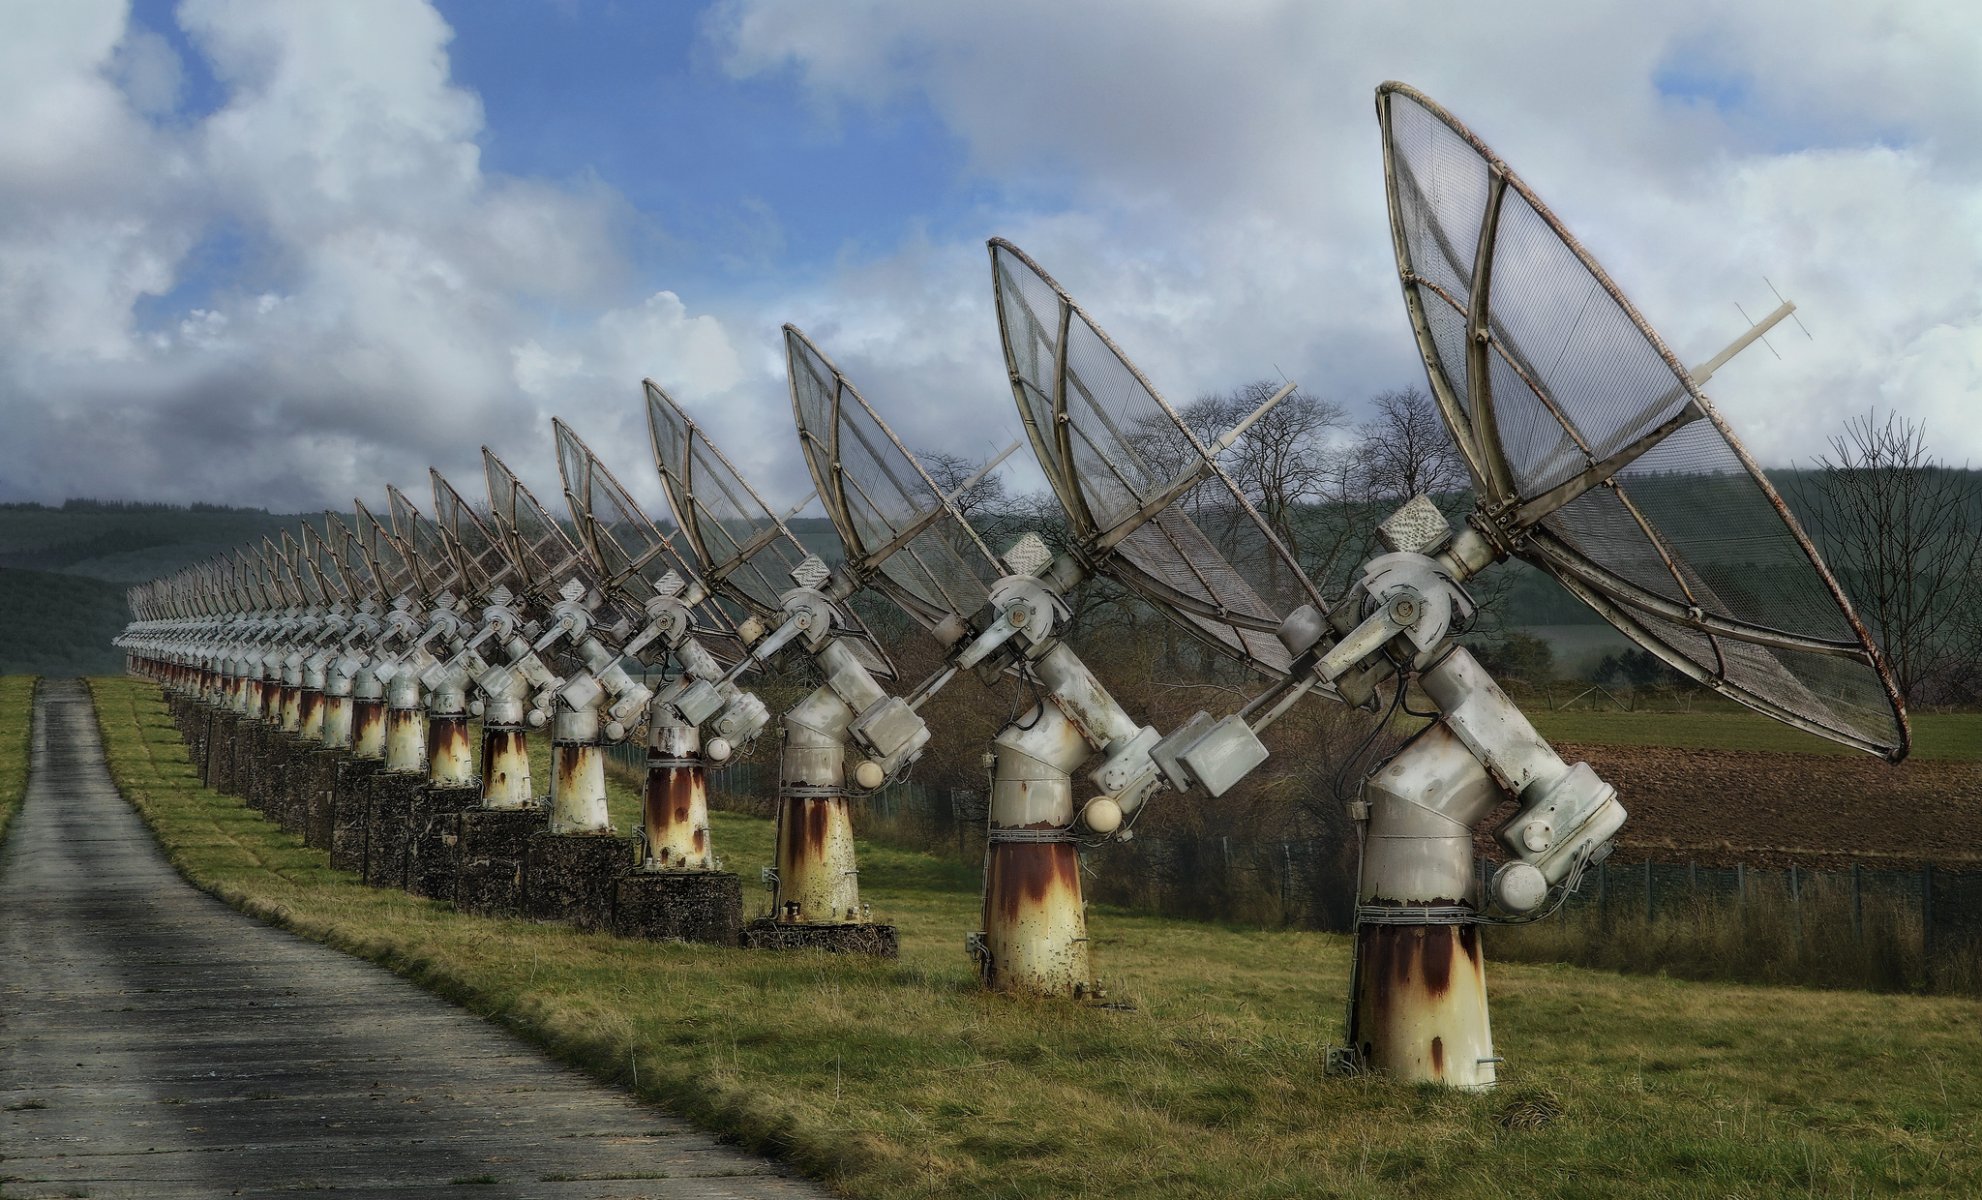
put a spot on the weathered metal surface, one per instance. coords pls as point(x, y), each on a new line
point(680, 906)
point(578, 788)
point(1421, 1005)
point(818, 881)
point(675, 817)
point(814, 847)
point(574, 877)
point(309, 716)
point(337, 716)
point(406, 741)
point(450, 757)
point(674, 807)
point(1035, 917)
point(368, 728)
point(505, 767)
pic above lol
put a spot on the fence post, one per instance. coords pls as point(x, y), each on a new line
point(1741, 890)
point(1648, 891)
point(1927, 920)
point(1692, 880)
point(1796, 901)
point(1857, 905)
point(1603, 891)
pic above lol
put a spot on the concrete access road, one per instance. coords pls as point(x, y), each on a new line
point(156, 1043)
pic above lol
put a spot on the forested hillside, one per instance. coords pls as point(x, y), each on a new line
point(64, 570)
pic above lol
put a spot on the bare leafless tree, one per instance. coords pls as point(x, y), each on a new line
point(1904, 533)
point(1407, 451)
point(950, 471)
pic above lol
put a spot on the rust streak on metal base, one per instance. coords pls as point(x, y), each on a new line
point(676, 816)
point(450, 759)
point(505, 767)
point(1025, 875)
point(816, 882)
point(368, 728)
point(1420, 1012)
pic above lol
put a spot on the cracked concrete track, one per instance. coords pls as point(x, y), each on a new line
point(156, 1043)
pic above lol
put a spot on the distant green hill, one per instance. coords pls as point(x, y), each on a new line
point(64, 570)
point(54, 624)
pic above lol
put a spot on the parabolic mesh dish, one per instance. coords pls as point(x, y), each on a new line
point(1110, 445)
point(545, 554)
point(350, 558)
point(422, 547)
point(897, 526)
point(478, 557)
point(382, 555)
point(747, 552)
point(1687, 549)
point(302, 581)
point(276, 570)
point(248, 583)
point(320, 562)
point(630, 552)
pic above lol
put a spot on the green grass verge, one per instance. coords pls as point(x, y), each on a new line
point(1951, 736)
point(16, 732)
point(904, 1080)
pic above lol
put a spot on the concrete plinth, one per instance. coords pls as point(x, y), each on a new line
point(349, 794)
point(217, 765)
point(433, 829)
point(881, 941)
point(573, 877)
point(281, 762)
point(388, 809)
point(680, 906)
point(490, 847)
point(310, 809)
point(250, 758)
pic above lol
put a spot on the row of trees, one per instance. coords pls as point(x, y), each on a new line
point(1900, 529)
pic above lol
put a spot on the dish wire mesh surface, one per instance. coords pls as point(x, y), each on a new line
point(1596, 456)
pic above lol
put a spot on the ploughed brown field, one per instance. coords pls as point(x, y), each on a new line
point(1771, 809)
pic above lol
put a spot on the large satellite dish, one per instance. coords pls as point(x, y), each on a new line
point(747, 551)
point(421, 544)
point(1114, 451)
point(632, 554)
point(389, 570)
point(478, 557)
point(1596, 456)
point(899, 529)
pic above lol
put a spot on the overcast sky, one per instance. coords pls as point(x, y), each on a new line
point(284, 253)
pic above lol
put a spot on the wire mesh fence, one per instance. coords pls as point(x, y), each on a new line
point(1867, 925)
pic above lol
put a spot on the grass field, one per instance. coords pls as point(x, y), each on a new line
point(16, 729)
point(904, 1080)
point(1952, 736)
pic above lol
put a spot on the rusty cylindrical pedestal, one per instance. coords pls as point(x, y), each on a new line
point(450, 757)
point(675, 807)
point(1419, 1007)
point(578, 773)
point(505, 767)
point(818, 881)
point(1035, 917)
